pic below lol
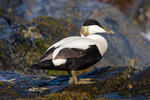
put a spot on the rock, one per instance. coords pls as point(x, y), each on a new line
point(126, 43)
point(9, 4)
point(129, 7)
point(16, 8)
point(124, 50)
point(142, 19)
point(28, 40)
point(24, 37)
point(110, 83)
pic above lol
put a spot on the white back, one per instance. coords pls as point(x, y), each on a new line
point(65, 40)
point(79, 43)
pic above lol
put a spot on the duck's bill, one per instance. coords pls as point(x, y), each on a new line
point(108, 30)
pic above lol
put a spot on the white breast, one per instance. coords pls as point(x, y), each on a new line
point(100, 41)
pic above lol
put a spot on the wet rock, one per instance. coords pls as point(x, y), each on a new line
point(142, 19)
point(117, 80)
point(22, 43)
point(10, 4)
point(126, 43)
point(28, 40)
point(4, 28)
point(14, 85)
point(129, 7)
point(16, 8)
point(121, 82)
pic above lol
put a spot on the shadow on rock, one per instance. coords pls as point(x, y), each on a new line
point(110, 82)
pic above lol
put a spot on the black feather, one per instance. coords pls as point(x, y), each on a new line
point(91, 22)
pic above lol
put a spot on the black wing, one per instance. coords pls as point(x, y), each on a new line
point(76, 58)
point(48, 53)
point(68, 53)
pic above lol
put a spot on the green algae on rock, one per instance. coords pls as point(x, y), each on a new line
point(57, 28)
point(126, 44)
point(126, 82)
point(30, 40)
point(6, 89)
point(118, 80)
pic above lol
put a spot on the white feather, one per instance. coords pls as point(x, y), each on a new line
point(84, 43)
point(100, 42)
point(95, 29)
point(79, 43)
point(58, 62)
point(61, 42)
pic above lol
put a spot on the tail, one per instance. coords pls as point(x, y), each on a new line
point(41, 65)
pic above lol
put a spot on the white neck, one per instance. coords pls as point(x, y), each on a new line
point(101, 42)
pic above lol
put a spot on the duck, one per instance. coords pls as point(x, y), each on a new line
point(75, 53)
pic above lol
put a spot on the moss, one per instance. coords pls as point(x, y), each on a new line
point(51, 30)
point(5, 90)
point(115, 83)
point(57, 27)
point(31, 39)
point(56, 72)
point(119, 82)
point(110, 80)
point(26, 44)
point(40, 44)
point(125, 93)
point(33, 30)
point(141, 88)
point(4, 56)
point(32, 55)
point(66, 95)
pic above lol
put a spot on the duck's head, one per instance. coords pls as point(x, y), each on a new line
point(92, 26)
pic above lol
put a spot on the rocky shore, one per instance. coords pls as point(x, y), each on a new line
point(109, 83)
point(29, 27)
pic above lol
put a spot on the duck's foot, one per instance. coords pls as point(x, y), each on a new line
point(81, 81)
point(73, 81)
point(73, 78)
point(86, 81)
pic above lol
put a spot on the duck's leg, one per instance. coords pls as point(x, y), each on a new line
point(73, 78)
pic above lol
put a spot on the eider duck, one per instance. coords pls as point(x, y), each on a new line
point(75, 53)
